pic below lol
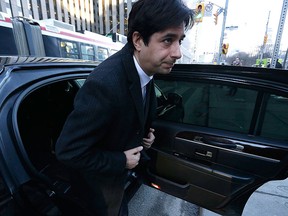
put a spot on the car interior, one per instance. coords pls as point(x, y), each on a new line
point(41, 117)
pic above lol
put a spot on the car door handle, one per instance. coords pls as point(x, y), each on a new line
point(224, 145)
point(204, 153)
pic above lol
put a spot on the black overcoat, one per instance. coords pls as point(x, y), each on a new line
point(108, 118)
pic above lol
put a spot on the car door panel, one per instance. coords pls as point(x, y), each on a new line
point(207, 148)
point(205, 174)
point(184, 166)
point(195, 183)
point(230, 155)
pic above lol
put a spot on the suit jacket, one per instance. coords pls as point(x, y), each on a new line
point(108, 118)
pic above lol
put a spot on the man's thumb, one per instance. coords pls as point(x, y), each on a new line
point(138, 149)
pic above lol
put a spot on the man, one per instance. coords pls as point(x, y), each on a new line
point(103, 136)
point(237, 62)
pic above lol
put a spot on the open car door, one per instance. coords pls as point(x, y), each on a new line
point(221, 132)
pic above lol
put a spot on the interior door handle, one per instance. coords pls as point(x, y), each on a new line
point(233, 146)
point(204, 154)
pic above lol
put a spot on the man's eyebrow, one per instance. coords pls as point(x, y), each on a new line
point(174, 35)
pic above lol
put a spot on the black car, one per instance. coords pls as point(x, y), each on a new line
point(221, 133)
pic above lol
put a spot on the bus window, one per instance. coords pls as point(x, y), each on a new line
point(87, 52)
point(7, 45)
point(52, 46)
point(69, 49)
point(102, 53)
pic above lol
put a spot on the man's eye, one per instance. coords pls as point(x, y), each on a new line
point(168, 40)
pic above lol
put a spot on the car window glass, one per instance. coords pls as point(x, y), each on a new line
point(275, 123)
point(80, 82)
point(158, 93)
point(210, 105)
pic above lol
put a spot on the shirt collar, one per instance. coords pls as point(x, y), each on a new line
point(144, 78)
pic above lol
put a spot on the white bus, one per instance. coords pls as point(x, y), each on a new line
point(52, 38)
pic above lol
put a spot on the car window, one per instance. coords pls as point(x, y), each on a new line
point(80, 82)
point(215, 106)
point(225, 107)
point(275, 123)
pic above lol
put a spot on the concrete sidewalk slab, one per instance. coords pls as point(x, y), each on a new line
point(271, 199)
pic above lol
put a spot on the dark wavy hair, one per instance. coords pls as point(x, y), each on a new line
point(150, 16)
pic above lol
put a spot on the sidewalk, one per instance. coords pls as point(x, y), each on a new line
point(269, 200)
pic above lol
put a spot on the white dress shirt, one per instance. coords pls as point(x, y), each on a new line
point(144, 78)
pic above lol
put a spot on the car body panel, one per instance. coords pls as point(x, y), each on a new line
point(19, 78)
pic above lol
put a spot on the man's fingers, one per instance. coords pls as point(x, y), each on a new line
point(150, 139)
point(137, 149)
point(133, 157)
point(146, 145)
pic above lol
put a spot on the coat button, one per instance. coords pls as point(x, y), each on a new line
point(138, 132)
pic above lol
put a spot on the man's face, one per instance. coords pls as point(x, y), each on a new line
point(162, 51)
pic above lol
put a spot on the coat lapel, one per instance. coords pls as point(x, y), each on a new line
point(135, 91)
point(134, 87)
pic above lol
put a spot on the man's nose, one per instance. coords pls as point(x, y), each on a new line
point(176, 51)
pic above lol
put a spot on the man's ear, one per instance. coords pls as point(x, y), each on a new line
point(137, 40)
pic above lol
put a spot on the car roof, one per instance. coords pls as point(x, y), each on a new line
point(21, 61)
point(268, 74)
point(228, 71)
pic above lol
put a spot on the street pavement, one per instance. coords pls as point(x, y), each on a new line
point(271, 199)
point(151, 202)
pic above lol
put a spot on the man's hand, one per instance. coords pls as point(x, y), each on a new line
point(133, 157)
point(147, 142)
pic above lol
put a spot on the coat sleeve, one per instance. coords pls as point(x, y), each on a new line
point(81, 143)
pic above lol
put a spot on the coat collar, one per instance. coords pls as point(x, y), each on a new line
point(134, 81)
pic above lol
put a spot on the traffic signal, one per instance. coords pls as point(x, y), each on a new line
point(199, 12)
point(265, 38)
point(215, 18)
point(113, 36)
point(225, 47)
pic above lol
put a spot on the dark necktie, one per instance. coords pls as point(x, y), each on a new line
point(146, 98)
point(144, 93)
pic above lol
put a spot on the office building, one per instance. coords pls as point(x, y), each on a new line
point(100, 16)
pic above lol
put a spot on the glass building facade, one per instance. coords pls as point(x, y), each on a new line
point(100, 16)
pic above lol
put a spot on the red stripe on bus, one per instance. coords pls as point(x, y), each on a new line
point(76, 36)
point(6, 19)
